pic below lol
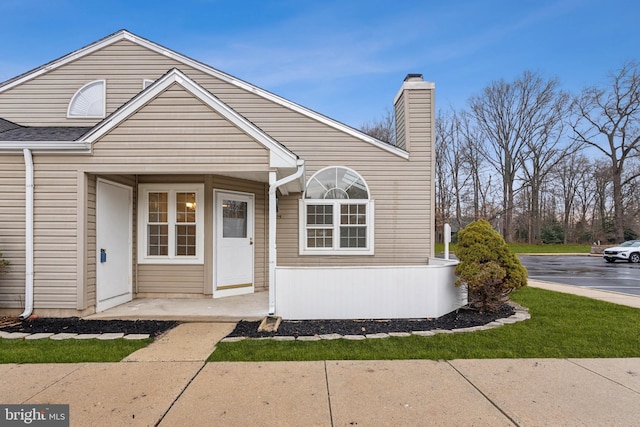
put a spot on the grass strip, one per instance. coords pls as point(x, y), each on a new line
point(67, 351)
point(562, 326)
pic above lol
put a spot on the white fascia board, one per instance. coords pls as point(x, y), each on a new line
point(279, 155)
point(125, 35)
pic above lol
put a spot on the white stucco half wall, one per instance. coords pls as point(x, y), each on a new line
point(305, 293)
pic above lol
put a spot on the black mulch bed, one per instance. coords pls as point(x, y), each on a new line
point(75, 325)
point(463, 318)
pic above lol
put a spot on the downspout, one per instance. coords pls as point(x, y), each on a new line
point(28, 231)
point(273, 253)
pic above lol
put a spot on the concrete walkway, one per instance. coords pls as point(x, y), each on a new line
point(540, 392)
point(169, 384)
point(609, 296)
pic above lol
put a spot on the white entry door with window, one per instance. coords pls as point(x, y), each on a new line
point(234, 249)
point(114, 256)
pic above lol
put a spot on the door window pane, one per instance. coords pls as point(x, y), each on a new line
point(234, 219)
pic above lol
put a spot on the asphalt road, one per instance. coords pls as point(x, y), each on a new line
point(586, 271)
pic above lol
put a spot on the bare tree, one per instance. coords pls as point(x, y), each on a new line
point(451, 167)
point(472, 140)
point(505, 111)
point(544, 107)
point(608, 120)
point(569, 174)
point(443, 174)
point(383, 128)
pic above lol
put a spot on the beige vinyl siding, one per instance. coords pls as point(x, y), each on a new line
point(90, 284)
point(12, 239)
point(400, 124)
point(402, 191)
point(158, 138)
point(183, 279)
point(55, 237)
point(45, 99)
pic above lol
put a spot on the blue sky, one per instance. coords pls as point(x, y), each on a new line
point(345, 59)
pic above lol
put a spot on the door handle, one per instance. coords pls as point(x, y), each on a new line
point(251, 240)
point(103, 255)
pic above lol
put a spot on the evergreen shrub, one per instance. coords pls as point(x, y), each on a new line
point(487, 267)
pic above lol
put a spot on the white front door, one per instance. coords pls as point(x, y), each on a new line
point(233, 217)
point(114, 222)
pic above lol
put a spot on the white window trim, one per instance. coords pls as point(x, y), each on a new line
point(143, 210)
point(79, 91)
point(336, 249)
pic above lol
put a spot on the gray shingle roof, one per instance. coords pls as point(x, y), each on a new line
point(6, 125)
point(10, 131)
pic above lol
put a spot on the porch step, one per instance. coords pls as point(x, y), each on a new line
point(270, 324)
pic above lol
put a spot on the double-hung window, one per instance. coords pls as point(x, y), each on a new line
point(336, 214)
point(171, 223)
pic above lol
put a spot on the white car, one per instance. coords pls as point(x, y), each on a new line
point(627, 251)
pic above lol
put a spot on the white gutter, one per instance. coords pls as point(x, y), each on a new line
point(48, 147)
point(273, 253)
point(28, 232)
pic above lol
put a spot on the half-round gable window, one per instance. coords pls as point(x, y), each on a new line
point(88, 101)
point(336, 183)
point(336, 214)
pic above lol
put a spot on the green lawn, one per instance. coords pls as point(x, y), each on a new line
point(525, 248)
point(561, 326)
point(67, 351)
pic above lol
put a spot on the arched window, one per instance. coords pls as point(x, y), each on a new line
point(336, 214)
point(88, 101)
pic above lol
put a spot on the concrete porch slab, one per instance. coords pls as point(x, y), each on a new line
point(229, 309)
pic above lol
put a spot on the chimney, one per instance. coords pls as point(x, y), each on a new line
point(414, 106)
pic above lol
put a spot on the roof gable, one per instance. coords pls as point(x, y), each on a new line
point(125, 35)
point(279, 156)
